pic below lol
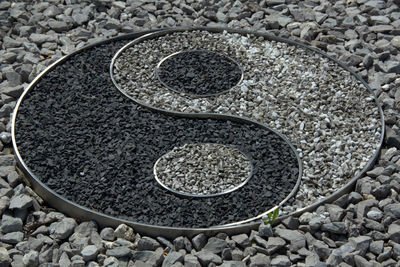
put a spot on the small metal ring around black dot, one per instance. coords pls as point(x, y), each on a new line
point(208, 83)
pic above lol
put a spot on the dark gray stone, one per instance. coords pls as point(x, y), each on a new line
point(232, 264)
point(164, 242)
point(336, 213)
point(182, 243)
point(394, 232)
point(199, 241)
point(206, 257)
point(260, 260)
point(13, 78)
point(215, 245)
point(361, 243)
point(386, 254)
point(7, 160)
point(12, 238)
point(10, 224)
point(13, 91)
point(147, 243)
point(63, 229)
point(59, 26)
point(226, 254)
point(392, 210)
point(376, 247)
point(371, 224)
point(274, 244)
point(242, 240)
point(388, 66)
point(291, 223)
point(364, 206)
point(316, 223)
point(322, 249)
point(148, 256)
point(296, 239)
point(265, 230)
point(334, 228)
point(107, 234)
point(359, 261)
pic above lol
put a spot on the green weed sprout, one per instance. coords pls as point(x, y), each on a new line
point(271, 217)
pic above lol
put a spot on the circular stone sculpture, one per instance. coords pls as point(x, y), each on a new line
point(199, 72)
point(91, 151)
point(203, 170)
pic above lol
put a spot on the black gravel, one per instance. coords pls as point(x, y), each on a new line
point(199, 72)
point(88, 143)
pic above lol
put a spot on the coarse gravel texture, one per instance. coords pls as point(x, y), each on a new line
point(203, 169)
point(359, 229)
point(325, 111)
point(198, 72)
point(92, 145)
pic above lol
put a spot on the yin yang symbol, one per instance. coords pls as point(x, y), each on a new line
point(195, 128)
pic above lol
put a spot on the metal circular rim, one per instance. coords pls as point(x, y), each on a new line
point(157, 70)
point(179, 193)
point(83, 213)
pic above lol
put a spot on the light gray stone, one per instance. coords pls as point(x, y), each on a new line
point(280, 261)
point(21, 202)
point(191, 261)
point(86, 228)
point(111, 262)
point(89, 253)
point(31, 259)
point(125, 232)
point(260, 260)
point(5, 259)
point(232, 264)
point(63, 229)
point(172, 258)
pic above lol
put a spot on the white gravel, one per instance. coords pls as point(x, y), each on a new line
point(203, 169)
point(324, 111)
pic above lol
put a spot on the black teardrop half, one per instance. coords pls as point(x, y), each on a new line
point(95, 147)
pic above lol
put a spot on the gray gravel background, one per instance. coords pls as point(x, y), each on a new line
point(360, 229)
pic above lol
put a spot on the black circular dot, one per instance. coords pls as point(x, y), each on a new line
point(199, 72)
